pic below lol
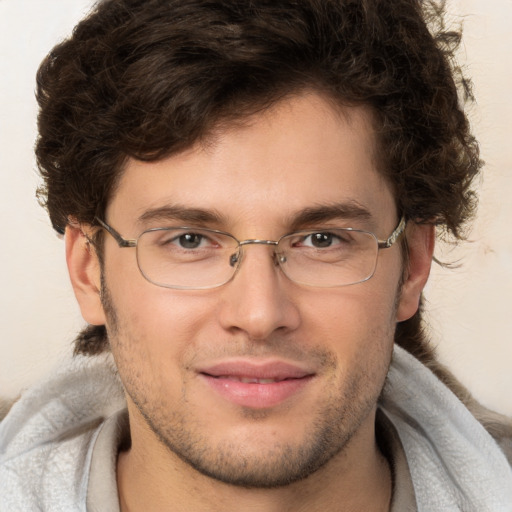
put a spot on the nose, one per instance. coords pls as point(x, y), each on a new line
point(258, 300)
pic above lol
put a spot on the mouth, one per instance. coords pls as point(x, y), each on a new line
point(248, 380)
point(256, 385)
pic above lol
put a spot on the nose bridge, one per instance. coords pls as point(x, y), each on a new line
point(257, 241)
point(237, 259)
point(256, 301)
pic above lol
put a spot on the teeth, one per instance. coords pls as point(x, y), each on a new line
point(247, 380)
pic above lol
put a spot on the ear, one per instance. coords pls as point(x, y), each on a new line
point(84, 272)
point(420, 243)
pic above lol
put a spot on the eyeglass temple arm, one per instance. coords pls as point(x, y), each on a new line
point(382, 244)
point(122, 242)
point(386, 244)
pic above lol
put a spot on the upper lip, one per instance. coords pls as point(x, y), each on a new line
point(276, 370)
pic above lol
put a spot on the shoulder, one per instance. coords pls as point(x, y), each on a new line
point(497, 425)
point(456, 450)
point(5, 406)
point(46, 438)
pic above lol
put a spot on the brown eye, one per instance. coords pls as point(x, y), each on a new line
point(321, 240)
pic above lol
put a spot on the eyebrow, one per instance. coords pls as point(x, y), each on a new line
point(181, 213)
point(347, 211)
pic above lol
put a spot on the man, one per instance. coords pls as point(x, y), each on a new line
point(249, 192)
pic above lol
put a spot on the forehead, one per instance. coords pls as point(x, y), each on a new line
point(303, 152)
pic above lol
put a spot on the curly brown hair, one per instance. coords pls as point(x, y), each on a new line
point(147, 78)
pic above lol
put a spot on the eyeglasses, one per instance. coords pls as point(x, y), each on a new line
point(188, 258)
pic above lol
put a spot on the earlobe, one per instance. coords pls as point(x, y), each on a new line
point(85, 275)
point(420, 242)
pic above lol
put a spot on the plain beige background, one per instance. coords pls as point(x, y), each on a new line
point(470, 308)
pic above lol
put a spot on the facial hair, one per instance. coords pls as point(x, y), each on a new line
point(344, 408)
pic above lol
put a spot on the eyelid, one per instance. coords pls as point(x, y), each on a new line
point(175, 226)
point(213, 236)
point(185, 228)
point(330, 228)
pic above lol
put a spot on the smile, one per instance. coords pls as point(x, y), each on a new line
point(248, 380)
point(256, 385)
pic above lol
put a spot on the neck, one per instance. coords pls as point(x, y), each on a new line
point(151, 478)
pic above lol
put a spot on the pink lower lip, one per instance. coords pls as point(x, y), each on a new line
point(254, 395)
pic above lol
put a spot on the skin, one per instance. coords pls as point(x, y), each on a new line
point(193, 449)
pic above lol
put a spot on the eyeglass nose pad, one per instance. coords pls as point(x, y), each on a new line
point(235, 258)
point(279, 258)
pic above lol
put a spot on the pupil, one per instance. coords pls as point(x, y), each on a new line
point(322, 239)
point(190, 240)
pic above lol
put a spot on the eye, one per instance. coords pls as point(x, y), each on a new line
point(191, 241)
point(323, 240)
point(181, 240)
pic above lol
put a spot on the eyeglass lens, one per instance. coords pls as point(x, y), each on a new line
point(202, 258)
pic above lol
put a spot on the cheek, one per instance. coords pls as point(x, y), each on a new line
point(150, 345)
point(351, 312)
point(154, 313)
point(155, 329)
point(356, 325)
point(159, 318)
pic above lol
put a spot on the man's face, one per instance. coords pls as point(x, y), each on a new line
point(204, 369)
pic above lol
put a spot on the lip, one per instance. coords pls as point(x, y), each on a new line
point(257, 385)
